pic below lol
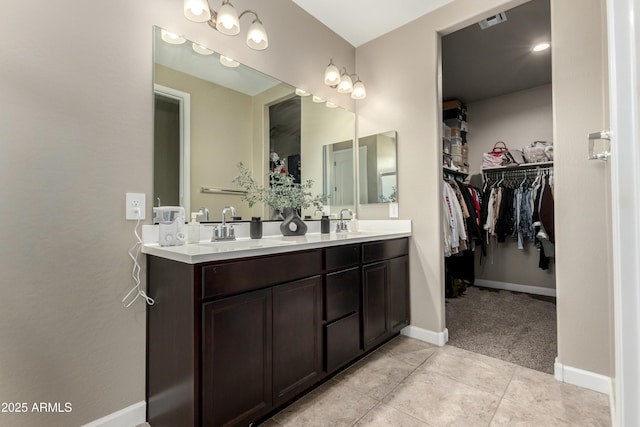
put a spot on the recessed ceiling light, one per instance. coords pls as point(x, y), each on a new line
point(540, 47)
point(317, 99)
point(301, 92)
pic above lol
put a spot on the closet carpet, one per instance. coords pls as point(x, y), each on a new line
point(511, 326)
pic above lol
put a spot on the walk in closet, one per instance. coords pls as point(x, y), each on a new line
point(499, 252)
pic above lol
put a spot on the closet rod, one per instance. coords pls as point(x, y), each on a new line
point(513, 176)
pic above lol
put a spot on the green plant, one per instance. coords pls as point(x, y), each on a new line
point(282, 191)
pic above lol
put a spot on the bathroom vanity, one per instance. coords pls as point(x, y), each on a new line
point(236, 334)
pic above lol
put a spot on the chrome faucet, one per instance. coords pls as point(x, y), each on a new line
point(224, 232)
point(205, 213)
point(341, 226)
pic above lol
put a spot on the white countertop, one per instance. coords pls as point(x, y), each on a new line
point(244, 247)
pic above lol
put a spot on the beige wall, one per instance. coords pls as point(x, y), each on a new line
point(518, 119)
point(412, 106)
point(76, 120)
point(221, 136)
point(585, 320)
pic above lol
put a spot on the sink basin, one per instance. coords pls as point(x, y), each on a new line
point(244, 244)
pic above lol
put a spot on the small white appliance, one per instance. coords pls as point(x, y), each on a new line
point(172, 226)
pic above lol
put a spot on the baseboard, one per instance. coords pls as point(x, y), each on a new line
point(536, 290)
point(128, 417)
point(582, 378)
point(437, 338)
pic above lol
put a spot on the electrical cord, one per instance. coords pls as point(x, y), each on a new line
point(134, 253)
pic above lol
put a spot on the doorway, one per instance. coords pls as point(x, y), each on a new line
point(505, 94)
point(171, 139)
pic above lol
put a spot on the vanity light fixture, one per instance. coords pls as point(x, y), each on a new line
point(343, 81)
point(171, 38)
point(227, 21)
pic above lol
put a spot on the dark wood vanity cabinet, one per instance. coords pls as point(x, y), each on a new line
point(385, 290)
point(229, 342)
point(236, 360)
point(342, 306)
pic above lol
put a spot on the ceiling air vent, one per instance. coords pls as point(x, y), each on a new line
point(493, 20)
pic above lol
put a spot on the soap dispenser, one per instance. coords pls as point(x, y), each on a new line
point(193, 228)
point(353, 223)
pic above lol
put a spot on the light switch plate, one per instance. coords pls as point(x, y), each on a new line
point(393, 210)
point(135, 200)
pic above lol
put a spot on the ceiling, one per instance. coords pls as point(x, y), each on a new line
point(477, 64)
point(374, 17)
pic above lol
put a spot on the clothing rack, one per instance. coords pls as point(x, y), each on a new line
point(513, 177)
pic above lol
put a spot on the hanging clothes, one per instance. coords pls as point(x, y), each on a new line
point(522, 208)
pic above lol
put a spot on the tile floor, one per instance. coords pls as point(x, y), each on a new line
point(411, 383)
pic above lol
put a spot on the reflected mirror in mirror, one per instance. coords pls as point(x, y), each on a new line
point(212, 113)
point(377, 174)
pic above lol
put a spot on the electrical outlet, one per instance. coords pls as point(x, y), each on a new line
point(135, 201)
point(393, 210)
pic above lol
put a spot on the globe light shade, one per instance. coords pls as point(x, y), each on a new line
point(197, 10)
point(331, 75)
point(227, 21)
point(346, 85)
point(359, 91)
point(257, 36)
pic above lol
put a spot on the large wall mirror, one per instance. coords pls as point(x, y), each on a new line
point(212, 113)
point(378, 168)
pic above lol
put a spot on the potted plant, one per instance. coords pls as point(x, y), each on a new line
point(282, 194)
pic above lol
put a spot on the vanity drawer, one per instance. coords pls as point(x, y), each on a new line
point(342, 293)
point(378, 251)
point(339, 257)
point(342, 342)
point(230, 278)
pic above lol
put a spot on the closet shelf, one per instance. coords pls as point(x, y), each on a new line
point(524, 166)
point(448, 171)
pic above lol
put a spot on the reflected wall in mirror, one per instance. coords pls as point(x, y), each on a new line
point(377, 173)
point(209, 117)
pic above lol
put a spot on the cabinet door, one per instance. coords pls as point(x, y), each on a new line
point(237, 376)
point(297, 337)
point(398, 293)
point(374, 304)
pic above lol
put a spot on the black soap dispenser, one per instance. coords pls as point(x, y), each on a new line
point(325, 224)
point(255, 228)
